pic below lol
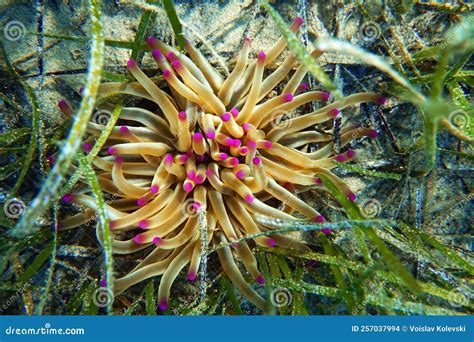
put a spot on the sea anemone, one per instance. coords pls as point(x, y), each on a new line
point(222, 147)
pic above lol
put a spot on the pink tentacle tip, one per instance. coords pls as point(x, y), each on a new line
point(240, 174)
point(234, 161)
point(163, 305)
point(373, 133)
point(50, 160)
point(223, 156)
point(236, 143)
point(103, 283)
point(298, 21)
point(261, 56)
point(248, 40)
point(157, 54)
point(288, 97)
point(244, 150)
point(87, 147)
point(303, 87)
point(176, 64)
point(62, 104)
point(154, 189)
point(196, 206)
point(245, 126)
point(252, 144)
point(351, 196)
point(351, 154)
point(143, 224)
point(188, 186)
point(260, 279)
point(382, 100)
point(142, 201)
point(166, 73)
point(118, 159)
point(131, 63)
point(156, 240)
point(197, 136)
point(209, 172)
point(318, 181)
point(124, 130)
point(182, 115)
point(112, 225)
point(171, 56)
point(256, 161)
point(267, 144)
point(138, 239)
point(326, 96)
point(334, 112)
point(225, 117)
point(210, 134)
point(271, 242)
point(340, 158)
point(200, 179)
point(192, 174)
point(111, 150)
point(249, 198)
point(169, 159)
point(234, 112)
point(319, 219)
point(67, 198)
point(150, 40)
point(192, 276)
point(326, 231)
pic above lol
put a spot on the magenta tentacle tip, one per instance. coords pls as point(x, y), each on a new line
point(176, 64)
point(118, 159)
point(163, 305)
point(249, 198)
point(298, 21)
point(351, 196)
point(210, 134)
point(188, 186)
point(62, 104)
point(373, 133)
point(334, 112)
point(131, 63)
point(67, 198)
point(351, 153)
point(166, 73)
point(261, 56)
point(288, 97)
point(340, 158)
point(319, 219)
point(260, 279)
point(240, 174)
point(154, 189)
point(141, 201)
point(200, 179)
point(326, 231)
point(192, 174)
point(138, 239)
point(124, 130)
point(169, 158)
point(267, 144)
point(182, 115)
point(156, 240)
point(256, 160)
point(143, 224)
point(197, 136)
point(382, 100)
point(272, 242)
point(171, 56)
point(234, 161)
point(303, 87)
point(192, 276)
point(157, 54)
point(326, 96)
point(223, 156)
point(245, 126)
point(87, 147)
point(111, 150)
point(318, 181)
point(225, 117)
point(234, 112)
point(244, 150)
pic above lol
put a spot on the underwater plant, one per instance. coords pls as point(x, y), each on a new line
point(217, 149)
